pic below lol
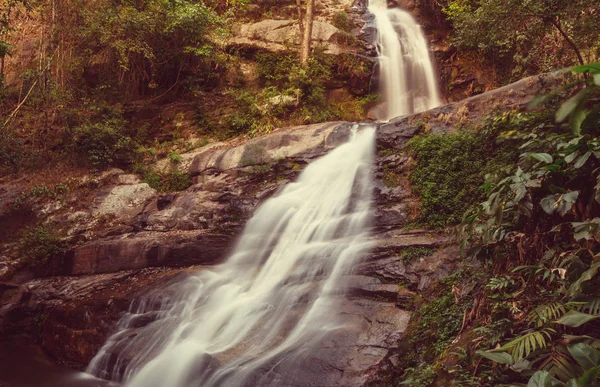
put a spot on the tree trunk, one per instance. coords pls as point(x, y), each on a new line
point(306, 40)
point(300, 18)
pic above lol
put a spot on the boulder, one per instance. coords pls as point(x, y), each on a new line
point(277, 35)
point(123, 201)
point(153, 249)
point(301, 141)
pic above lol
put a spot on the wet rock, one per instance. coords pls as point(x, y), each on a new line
point(72, 316)
point(156, 249)
point(283, 143)
point(373, 288)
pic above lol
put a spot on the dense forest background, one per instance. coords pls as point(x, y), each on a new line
point(121, 82)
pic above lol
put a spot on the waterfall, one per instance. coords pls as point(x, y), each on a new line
point(406, 78)
point(253, 319)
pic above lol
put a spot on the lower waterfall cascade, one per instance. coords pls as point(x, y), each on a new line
point(250, 320)
point(406, 75)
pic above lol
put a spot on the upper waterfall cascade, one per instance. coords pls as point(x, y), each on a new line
point(407, 78)
point(251, 320)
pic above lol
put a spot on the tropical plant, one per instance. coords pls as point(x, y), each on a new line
point(541, 224)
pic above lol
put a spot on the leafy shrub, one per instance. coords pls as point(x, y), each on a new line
point(171, 181)
point(40, 246)
point(284, 71)
point(105, 143)
point(342, 22)
point(13, 155)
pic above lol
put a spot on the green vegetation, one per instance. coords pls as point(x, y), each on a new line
point(447, 168)
point(342, 22)
point(431, 332)
point(551, 202)
point(111, 82)
point(412, 254)
point(105, 143)
point(40, 246)
point(525, 37)
point(171, 181)
point(390, 178)
point(531, 312)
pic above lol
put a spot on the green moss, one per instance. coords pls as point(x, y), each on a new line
point(439, 322)
point(411, 254)
point(448, 171)
point(390, 178)
point(386, 152)
point(261, 169)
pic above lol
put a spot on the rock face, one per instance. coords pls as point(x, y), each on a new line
point(277, 35)
point(131, 238)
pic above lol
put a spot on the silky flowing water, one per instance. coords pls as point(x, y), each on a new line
point(406, 75)
point(251, 320)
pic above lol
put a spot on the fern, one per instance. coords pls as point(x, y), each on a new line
point(591, 307)
point(558, 363)
point(546, 312)
point(522, 346)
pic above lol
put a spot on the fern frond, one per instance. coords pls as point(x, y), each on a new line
point(544, 313)
point(522, 346)
point(559, 364)
point(591, 307)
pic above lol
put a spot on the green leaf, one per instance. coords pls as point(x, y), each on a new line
point(586, 276)
point(592, 68)
point(543, 157)
point(571, 157)
point(540, 379)
point(561, 203)
point(569, 106)
point(578, 117)
point(575, 319)
point(589, 377)
point(587, 356)
point(498, 357)
point(572, 383)
point(582, 160)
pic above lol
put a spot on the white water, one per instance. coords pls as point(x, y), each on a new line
point(407, 78)
point(251, 320)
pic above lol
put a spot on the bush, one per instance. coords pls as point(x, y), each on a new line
point(41, 245)
point(105, 143)
point(171, 181)
point(13, 155)
point(342, 22)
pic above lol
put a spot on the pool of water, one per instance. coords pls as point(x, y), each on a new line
point(25, 364)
